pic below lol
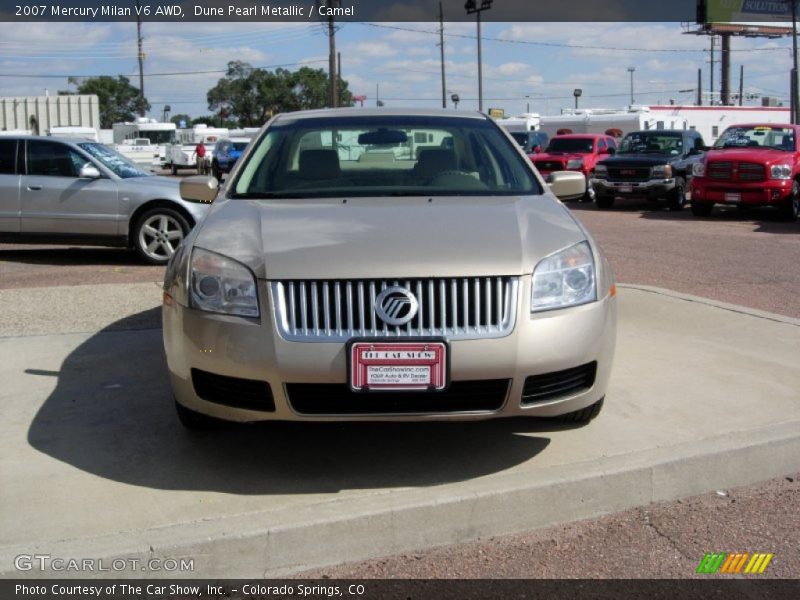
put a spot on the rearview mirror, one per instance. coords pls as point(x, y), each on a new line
point(382, 136)
point(199, 188)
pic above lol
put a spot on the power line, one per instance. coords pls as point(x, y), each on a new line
point(171, 74)
point(557, 45)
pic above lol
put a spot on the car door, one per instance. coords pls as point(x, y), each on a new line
point(55, 200)
point(9, 187)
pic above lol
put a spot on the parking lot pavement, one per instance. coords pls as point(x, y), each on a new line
point(95, 465)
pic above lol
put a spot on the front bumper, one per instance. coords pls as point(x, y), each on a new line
point(652, 189)
point(252, 349)
point(762, 193)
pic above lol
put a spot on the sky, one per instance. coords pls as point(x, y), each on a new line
point(532, 66)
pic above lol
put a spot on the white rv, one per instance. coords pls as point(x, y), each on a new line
point(82, 133)
point(610, 121)
point(711, 121)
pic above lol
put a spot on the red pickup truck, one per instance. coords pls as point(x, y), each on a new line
point(750, 165)
point(575, 152)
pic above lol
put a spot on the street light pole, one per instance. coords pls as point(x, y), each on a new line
point(793, 86)
point(631, 70)
point(472, 7)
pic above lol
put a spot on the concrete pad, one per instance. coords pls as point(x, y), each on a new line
point(95, 464)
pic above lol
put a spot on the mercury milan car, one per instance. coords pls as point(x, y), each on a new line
point(379, 264)
point(81, 192)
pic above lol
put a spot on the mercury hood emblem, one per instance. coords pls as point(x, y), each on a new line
point(396, 305)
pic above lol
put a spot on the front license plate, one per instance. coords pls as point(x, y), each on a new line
point(398, 366)
point(625, 189)
point(733, 198)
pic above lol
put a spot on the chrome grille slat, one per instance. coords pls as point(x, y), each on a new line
point(453, 308)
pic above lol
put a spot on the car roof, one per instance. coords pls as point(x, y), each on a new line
point(49, 138)
point(357, 112)
point(782, 125)
point(581, 136)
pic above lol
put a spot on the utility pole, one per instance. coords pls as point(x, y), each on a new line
point(140, 56)
point(631, 71)
point(795, 101)
point(472, 7)
point(334, 88)
point(441, 53)
point(725, 85)
point(741, 84)
point(711, 87)
point(699, 87)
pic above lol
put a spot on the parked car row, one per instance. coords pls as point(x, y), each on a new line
point(750, 165)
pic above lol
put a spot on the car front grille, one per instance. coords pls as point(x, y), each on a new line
point(540, 388)
point(629, 173)
point(338, 399)
point(550, 165)
point(458, 308)
point(233, 391)
point(730, 171)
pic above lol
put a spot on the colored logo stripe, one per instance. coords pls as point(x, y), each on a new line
point(734, 563)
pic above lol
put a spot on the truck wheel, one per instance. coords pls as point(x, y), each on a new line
point(677, 198)
point(584, 415)
point(791, 207)
point(604, 202)
point(174, 169)
point(157, 234)
point(589, 196)
point(215, 170)
point(701, 209)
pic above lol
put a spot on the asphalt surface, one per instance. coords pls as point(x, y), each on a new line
point(748, 259)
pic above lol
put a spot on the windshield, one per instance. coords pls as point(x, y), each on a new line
point(583, 145)
point(764, 136)
point(651, 142)
point(389, 155)
point(239, 146)
point(112, 160)
point(159, 137)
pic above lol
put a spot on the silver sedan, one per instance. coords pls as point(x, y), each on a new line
point(81, 192)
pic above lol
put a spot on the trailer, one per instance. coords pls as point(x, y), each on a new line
point(144, 141)
point(80, 133)
point(610, 121)
point(181, 153)
point(37, 114)
point(711, 121)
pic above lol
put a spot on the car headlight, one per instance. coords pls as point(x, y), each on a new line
point(566, 278)
point(662, 172)
point(601, 171)
point(699, 169)
point(781, 171)
point(575, 163)
point(222, 285)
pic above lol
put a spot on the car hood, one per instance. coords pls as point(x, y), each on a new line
point(165, 184)
point(766, 156)
point(389, 237)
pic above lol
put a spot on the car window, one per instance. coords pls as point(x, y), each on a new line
point(655, 142)
point(384, 156)
point(112, 160)
point(53, 159)
point(8, 156)
point(581, 145)
point(601, 144)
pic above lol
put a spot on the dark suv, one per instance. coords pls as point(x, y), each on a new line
point(653, 164)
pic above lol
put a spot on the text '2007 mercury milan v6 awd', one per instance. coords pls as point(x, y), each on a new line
point(378, 264)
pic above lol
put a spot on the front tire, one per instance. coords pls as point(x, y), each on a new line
point(584, 415)
point(790, 209)
point(677, 198)
point(702, 209)
point(195, 421)
point(604, 202)
point(215, 170)
point(157, 234)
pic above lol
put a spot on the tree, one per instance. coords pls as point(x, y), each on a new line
point(119, 100)
point(180, 117)
point(250, 95)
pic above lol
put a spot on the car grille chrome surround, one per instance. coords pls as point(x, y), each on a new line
point(462, 308)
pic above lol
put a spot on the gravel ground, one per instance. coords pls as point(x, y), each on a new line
point(664, 540)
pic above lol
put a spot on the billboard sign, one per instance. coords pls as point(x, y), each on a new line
point(746, 11)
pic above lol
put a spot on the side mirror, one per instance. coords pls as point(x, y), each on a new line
point(567, 185)
point(537, 149)
point(89, 171)
point(605, 150)
point(199, 188)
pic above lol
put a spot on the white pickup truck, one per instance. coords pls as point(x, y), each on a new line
point(181, 154)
